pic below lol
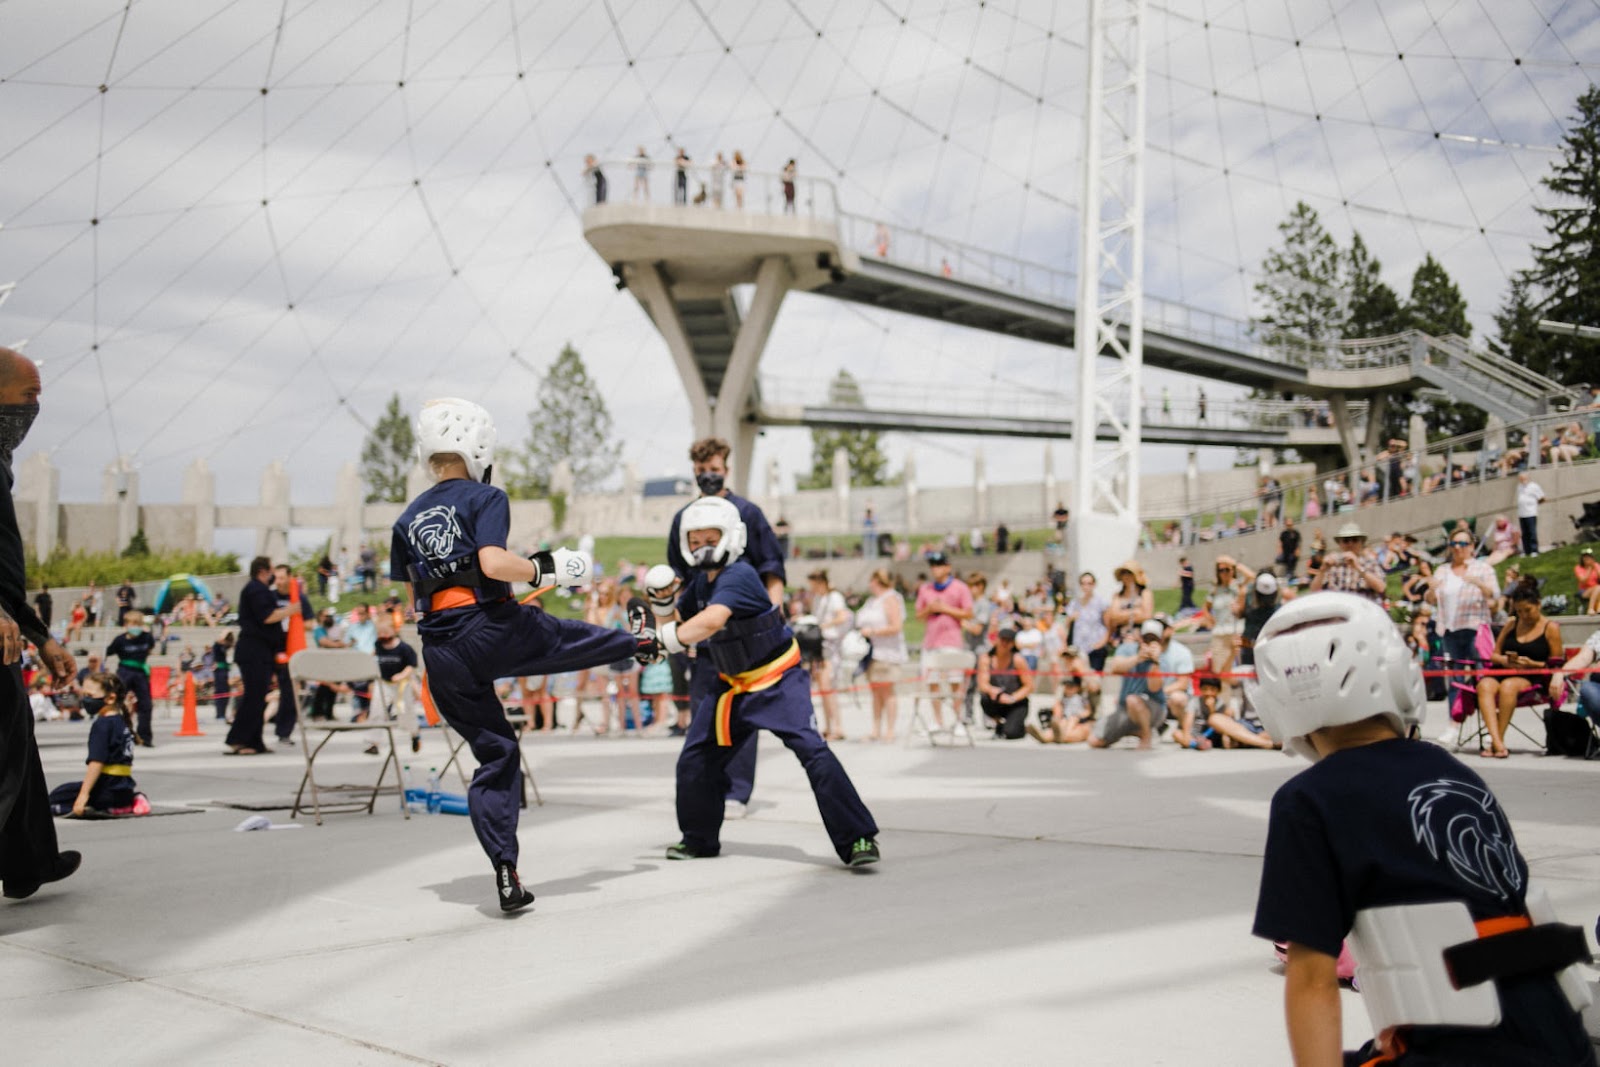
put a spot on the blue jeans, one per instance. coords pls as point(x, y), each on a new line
point(1589, 700)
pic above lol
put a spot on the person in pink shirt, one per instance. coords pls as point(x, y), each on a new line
point(943, 604)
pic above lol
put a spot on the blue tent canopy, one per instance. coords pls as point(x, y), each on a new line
point(166, 595)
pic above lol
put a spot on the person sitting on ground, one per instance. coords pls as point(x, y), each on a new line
point(1004, 685)
point(1072, 719)
point(1141, 704)
point(1224, 722)
point(1587, 572)
point(1503, 541)
point(39, 700)
point(107, 785)
point(1526, 642)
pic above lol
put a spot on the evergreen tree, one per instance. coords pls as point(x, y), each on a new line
point(1374, 308)
point(572, 424)
point(1564, 281)
point(1436, 307)
point(1518, 325)
point(387, 455)
point(868, 465)
point(1299, 294)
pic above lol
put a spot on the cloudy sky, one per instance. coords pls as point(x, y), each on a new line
point(237, 228)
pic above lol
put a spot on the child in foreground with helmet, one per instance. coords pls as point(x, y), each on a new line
point(449, 547)
point(1401, 847)
point(760, 685)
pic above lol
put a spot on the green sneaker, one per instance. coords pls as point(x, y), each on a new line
point(684, 851)
point(863, 852)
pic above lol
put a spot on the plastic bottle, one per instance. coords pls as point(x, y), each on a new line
point(433, 791)
point(416, 796)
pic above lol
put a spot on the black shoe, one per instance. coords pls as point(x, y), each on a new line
point(371, 750)
point(285, 740)
point(416, 744)
point(677, 731)
point(685, 851)
point(66, 864)
point(512, 895)
point(863, 852)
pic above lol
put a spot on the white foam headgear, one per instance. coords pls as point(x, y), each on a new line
point(452, 426)
point(713, 512)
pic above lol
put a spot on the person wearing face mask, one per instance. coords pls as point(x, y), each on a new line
point(132, 648)
point(107, 784)
point(255, 656)
point(291, 594)
point(758, 682)
point(29, 855)
point(710, 458)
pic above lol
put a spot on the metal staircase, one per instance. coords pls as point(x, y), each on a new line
point(1486, 380)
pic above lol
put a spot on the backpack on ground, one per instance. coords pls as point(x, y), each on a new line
point(1566, 734)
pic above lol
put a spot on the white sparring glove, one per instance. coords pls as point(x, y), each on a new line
point(667, 634)
point(562, 567)
point(661, 588)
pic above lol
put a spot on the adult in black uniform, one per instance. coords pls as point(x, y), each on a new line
point(220, 670)
point(289, 589)
point(42, 605)
point(256, 655)
point(710, 458)
point(29, 856)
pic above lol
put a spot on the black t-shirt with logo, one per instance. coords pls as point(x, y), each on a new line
point(132, 650)
point(1404, 822)
point(391, 661)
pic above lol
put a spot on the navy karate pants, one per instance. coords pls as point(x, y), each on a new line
point(138, 683)
point(785, 710)
point(465, 650)
point(704, 685)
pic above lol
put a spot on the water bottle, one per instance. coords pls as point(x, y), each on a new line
point(433, 791)
point(416, 796)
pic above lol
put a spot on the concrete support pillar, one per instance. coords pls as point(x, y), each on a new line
point(1377, 411)
point(120, 486)
point(1340, 408)
point(980, 488)
point(349, 502)
point(1052, 491)
point(1191, 492)
point(1494, 436)
point(841, 487)
point(649, 286)
point(200, 493)
point(732, 408)
point(272, 539)
point(39, 485)
point(774, 487)
point(630, 492)
point(908, 484)
point(1417, 433)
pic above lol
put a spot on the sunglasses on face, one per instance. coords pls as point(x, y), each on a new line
point(1460, 544)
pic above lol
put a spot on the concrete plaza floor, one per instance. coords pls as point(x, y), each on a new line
point(1035, 905)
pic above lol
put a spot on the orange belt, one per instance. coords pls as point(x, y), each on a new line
point(751, 681)
point(454, 596)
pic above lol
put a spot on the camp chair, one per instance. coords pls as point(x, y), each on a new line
point(940, 659)
point(519, 727)
point(342, 665)
point(1462, 698)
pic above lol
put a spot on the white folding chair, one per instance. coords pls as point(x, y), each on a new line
point(343, 665)
point(941, 660)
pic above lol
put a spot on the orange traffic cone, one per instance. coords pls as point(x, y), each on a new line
point(429, 710)
point(191, 720)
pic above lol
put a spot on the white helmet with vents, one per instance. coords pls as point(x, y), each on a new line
point(1328, 659)
point(712, 513)
point(456, 427)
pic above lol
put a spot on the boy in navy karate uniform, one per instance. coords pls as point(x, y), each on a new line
point(1400, 847)
point(760, 685)
point(449, 546)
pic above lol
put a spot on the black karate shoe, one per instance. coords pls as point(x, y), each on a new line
point(863, 852)
point(685, 851)
point(512, 895)
point(66, 864)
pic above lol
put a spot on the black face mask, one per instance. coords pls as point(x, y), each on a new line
point(15, 421)
point(93, 705)
point(710, 482)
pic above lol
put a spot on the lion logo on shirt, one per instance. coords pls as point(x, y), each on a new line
point(434, 531)
point(1464, 822)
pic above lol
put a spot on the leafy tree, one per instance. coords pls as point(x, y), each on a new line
point(1299, 291)
point(868, 465)
point(571, 423)
point(1564, 281)
point(138, 545)
point(1374, 308)
point(388, 454)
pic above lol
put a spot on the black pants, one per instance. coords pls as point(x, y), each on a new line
point(1009, 719)
point(28, 847)
point(219, 688)
point(138, 683)
point(288, 713)
point(1530, 534)
point(255, 676)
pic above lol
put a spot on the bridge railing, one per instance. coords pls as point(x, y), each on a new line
point(1466, 459)
point(709, 186)
point(1166, 409)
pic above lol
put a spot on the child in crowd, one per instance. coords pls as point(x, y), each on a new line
point(1401, 847)
point(1071, 720)
point(44, 709)
point(1225, 723)
point(132, 648)
point(107, 785)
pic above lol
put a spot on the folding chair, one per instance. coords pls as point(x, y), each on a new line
point(940, 659)
point(1463, 704)
point(342, 665)
point(519, 726)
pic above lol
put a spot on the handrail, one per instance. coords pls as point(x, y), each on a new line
point(1481, 442)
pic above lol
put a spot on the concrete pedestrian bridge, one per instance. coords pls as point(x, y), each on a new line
point(682, 261)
